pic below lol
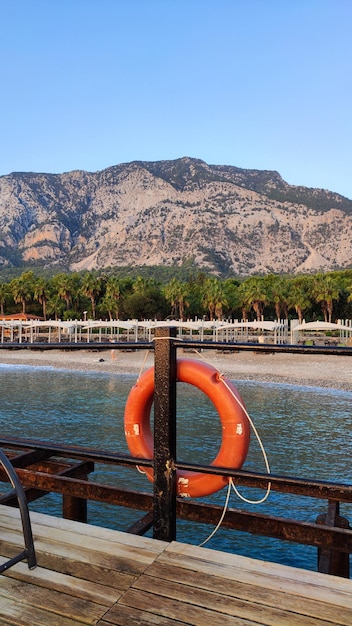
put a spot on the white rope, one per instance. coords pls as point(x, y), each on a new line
point(143, 365)
point(221, 376)
point(168, 338)
point(215, 530)
point(231, 483)
point(260, 445)
point(148, 351)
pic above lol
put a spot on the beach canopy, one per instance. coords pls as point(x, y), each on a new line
point(269, 326)
point(311, 326)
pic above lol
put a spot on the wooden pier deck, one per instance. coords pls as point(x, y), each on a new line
point(91, 575)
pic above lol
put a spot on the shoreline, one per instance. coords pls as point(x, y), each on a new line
point(327, 371)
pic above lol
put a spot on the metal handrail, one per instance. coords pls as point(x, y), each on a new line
point(29, 551)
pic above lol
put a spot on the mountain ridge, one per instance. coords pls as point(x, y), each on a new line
point(226, 218)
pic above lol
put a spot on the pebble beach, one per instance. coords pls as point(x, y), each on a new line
point(321, 370)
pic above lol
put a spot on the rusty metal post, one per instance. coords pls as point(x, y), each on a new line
point(164, 507)
point(332, 561)
point(74, 509)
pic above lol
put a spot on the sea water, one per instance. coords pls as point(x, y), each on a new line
point(305, 431)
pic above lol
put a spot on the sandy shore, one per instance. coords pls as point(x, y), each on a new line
point(314, 370)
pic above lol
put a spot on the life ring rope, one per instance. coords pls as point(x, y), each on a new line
point(265, 457)
point(257, 436)
point(231, 484)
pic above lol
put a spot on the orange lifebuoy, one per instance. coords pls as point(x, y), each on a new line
point(234, 423)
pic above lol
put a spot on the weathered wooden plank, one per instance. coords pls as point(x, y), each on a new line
point(247, 591)
point(180, 611)
point(225, 605)
point(125, 615)
point(68, 563)
point(115, 536)
point(94, 575)
point(68, 560)
point(19, 614)
point(60, 604)
point(71, 585)
point(112, 556)
point(84, 555)
point(76, 533)
point(332, 589)
point(66, 547)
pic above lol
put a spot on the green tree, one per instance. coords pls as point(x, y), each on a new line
point(141, 285)
point(4, 296)
point(91, 287)
point(277, 291)
point(300, 295)
point(326, 291)
point(348, 287)
point(55, 306)
point(195, 292)
point(22, 289)
point(214, 298)
point(146, 301)
point(112, 297)
point(232, 295)
point(108, 305)
point(254, 295)
point(41, 293)
point(176, 294)
point(65, 285)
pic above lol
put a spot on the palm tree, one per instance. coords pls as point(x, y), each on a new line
point(112, 296)
point(64, 287)
point(214, 298)
point(4, 294)
point(278, 293)
point(171, 291)
point(300, 295)
point(91, 287)
point(141, 285)
point(326, 290)
point(232, 295)
point(22, 289)
point(176, 293)
point(348, 288)
point(40, 293)
point(242, 301)
point(108, 304)
point(182, 302)
point(55, 306)
point(255, 295)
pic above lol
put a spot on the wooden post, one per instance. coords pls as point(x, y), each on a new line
point(164, 507)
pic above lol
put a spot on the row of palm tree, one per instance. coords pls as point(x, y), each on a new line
point(90, 294)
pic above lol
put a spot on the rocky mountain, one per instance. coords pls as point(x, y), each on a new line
point(225, 218)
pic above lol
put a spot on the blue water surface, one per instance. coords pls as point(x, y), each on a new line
point(306, 433)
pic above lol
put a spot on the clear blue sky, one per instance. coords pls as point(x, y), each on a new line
point(265, 84)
